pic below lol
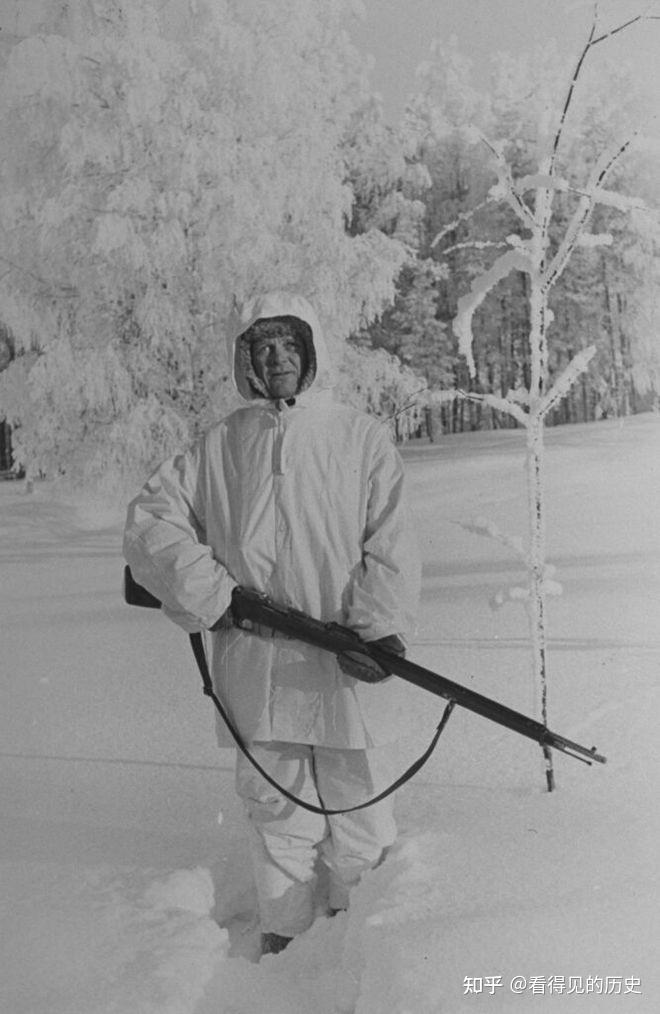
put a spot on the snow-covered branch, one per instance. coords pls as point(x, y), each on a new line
point(413, 403)
point(583, 213)
point(476, 244)
point(626, 24)
point(463, 216)
point(566, 379)
point(493, 401)
point(505, 188)
point(517, 593)
point(569, 96)
point(489, 530)
point(512, 260)
point(608, 197)
point(536, 181)
point(592, 41)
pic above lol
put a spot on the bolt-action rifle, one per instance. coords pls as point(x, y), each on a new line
point(253, 609)
point(250, 607)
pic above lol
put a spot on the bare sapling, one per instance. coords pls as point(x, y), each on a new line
point(532, 198)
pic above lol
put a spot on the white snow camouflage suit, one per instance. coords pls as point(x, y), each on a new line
point(304, 502)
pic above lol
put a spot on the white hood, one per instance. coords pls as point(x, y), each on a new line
point(278, 304)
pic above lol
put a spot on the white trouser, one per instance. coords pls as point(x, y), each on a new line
point(285, 839)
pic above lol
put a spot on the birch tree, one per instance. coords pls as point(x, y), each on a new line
point(542, 256)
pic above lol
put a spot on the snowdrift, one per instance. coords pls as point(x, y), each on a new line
point(122, 892)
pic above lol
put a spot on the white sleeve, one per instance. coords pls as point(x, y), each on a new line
point(385, 592)
point(165, 547)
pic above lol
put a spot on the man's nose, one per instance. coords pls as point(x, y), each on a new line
point(278, 352)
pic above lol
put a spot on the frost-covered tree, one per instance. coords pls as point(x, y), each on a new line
point(542, 251)
point(163, 161)
point(374, 381)
point(387, 179)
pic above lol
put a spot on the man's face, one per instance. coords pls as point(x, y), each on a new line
point(277, 357)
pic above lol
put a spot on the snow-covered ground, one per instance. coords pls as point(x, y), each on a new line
point(122, 846)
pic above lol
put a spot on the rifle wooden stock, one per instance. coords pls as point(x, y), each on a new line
point(250, 607)
point(136, 595)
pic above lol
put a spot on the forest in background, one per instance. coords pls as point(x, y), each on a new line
point(607, 296)
point(165, 160)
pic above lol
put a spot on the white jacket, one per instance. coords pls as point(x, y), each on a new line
point(304, 503)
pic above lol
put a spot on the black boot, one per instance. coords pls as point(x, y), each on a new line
point(273, 943)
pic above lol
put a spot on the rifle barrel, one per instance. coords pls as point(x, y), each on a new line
point(254, 607)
